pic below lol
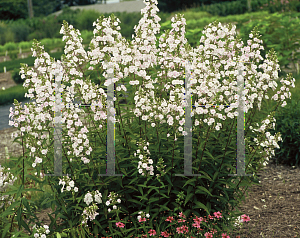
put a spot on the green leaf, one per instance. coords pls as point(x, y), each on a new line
point(153, 199)
point(6, 230)
point(201, 205)
point(168, 179)
point(20, 190)
point(135, 201)
point(192, 180)
point(200, 190)
point(140, 189)
point(127, 186)
point(188, 197)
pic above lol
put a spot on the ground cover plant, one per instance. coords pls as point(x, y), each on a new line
point(213, 175)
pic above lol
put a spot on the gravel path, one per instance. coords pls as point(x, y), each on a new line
point(130, 6)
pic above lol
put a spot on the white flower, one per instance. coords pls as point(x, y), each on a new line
point(88, 199)
point(98, 198)
point(71, 183)
point(107, 203)
point(76, 189)
point(3, 88)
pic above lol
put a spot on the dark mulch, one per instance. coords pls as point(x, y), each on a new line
point(274, 206)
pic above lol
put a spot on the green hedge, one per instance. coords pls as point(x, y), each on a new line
point(15, 64)
point(17, 91)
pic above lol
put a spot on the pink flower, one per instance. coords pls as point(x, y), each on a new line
point(245, 218)
point(170, 219)
point(181, 220)
point(181, 215)
point(152, 232)
point(217, 214)
point(142, 219)
point(165, 234)
point(208, 235)
point(120, 224)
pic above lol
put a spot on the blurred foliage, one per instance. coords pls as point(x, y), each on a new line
point(17, 77)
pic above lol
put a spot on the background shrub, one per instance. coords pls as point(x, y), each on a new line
point(288, 124)
point(13, 55)
point(36, 35)
point(20, 30)
point(2, 49)
point(279, 31)
point(17, 77)
point(70, 16)
point(10, 46)
point(25, 45)
point(85, 20)
point(87, 36)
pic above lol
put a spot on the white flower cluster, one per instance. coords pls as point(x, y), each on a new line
point(141, 217)
point(144, 161)
point(143, 164)
point(90, 212)
point(112, 201)
point(40, 232)
point(88, 198)
point(6, 179)
point(270, 143)
point(69, 182)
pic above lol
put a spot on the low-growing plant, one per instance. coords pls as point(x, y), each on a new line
point(2, 48)
point(25, 45)
point(21, 31)
point(16, 76)
point(15, 64)
point(10, 46)
point(288, 124)
point(280, 5)
point(8, 95)
point(13, 54)
point(281, 32)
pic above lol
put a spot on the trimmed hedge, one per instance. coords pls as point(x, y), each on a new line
point(15, 64)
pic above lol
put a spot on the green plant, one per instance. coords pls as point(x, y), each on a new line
point(288, 124)
point(227, 8)
point(8, 95)
point(139, 191)
point(6, 34)
point(20, 30)
point(280, 32)
point(37, 34)
point(10, 46)
point(17, 77)
point(85, 20)
point(25, 45)
point(2, 49)
point(87, 36)
point(13, 55)
point(13, 64)
point(280, 5)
